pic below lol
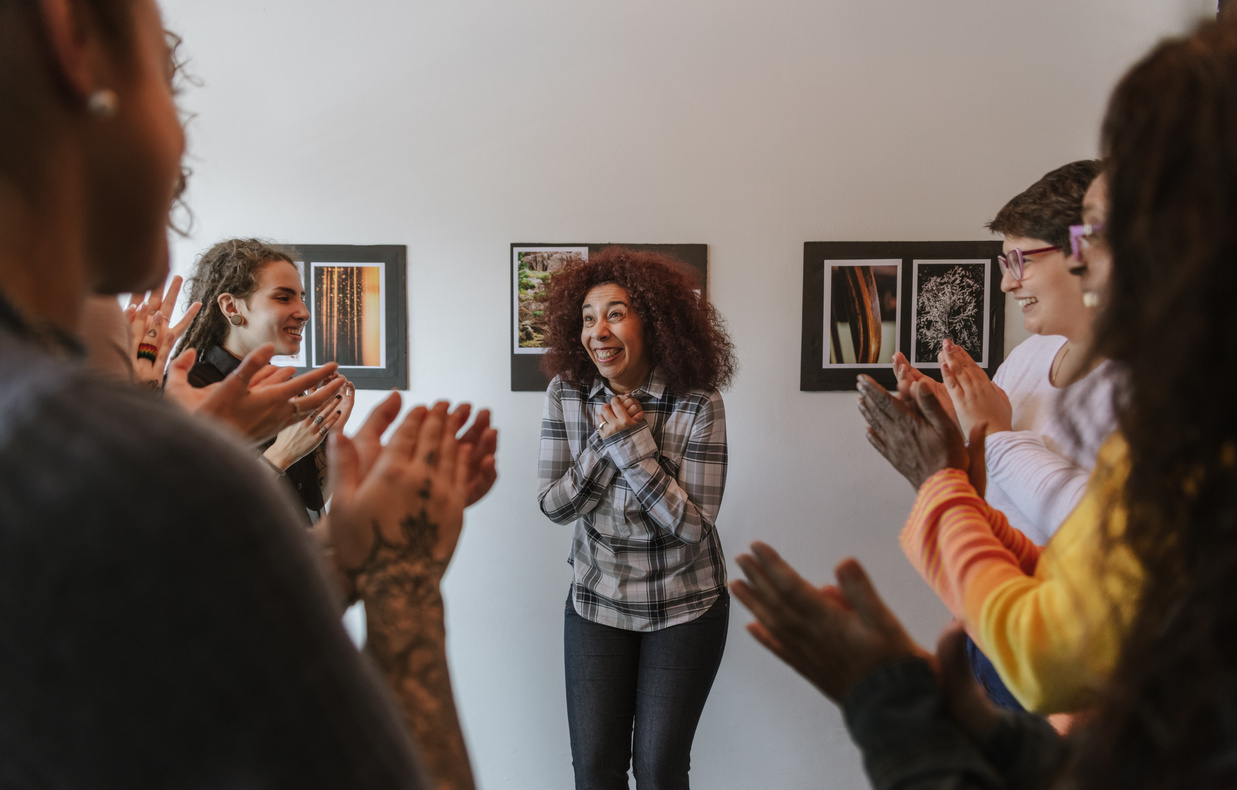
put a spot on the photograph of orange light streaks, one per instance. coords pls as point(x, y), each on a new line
point(348, 309)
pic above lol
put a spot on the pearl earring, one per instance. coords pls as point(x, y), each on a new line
point(1090, 299)
point(103, 103)
point(236, 320)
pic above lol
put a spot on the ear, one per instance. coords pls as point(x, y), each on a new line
point(228, 305)
point(71, 37)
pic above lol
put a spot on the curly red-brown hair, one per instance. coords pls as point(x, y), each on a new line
point(684, 336)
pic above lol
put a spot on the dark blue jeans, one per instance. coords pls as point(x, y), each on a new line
point(654, 683)
point(984, 671)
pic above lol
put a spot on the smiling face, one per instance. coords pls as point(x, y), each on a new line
point(274, 313)
point(614, 337)
point(1095, 260)
point(1049, 297)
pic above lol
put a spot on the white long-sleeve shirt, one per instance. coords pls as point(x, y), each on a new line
point(1037, 472)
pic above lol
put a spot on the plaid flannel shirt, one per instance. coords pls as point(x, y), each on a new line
point(644, 502)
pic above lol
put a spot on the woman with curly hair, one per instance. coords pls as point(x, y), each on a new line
point(254, 295)
point(633, 455)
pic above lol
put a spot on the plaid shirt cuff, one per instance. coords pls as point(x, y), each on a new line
point(630, 447)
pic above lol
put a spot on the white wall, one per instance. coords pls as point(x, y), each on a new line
point(459, 127)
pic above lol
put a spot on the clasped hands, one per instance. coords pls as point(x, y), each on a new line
point(621, 413)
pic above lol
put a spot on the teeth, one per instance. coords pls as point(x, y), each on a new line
point(1023, 302)
point(606, 354)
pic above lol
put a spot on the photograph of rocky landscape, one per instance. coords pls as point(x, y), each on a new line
point(534, 268)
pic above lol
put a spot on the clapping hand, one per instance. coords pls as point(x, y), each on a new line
point(402, 501)
point(257, 399)
point(150, 338)
point(906, 375)
point(835, 635)
point(975, 397)
point(303, 436)
point(916, 435)
point(831, 635)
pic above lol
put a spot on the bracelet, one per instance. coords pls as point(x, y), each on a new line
point(278, 472)
point(148, 351)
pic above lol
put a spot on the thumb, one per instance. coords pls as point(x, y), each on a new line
point(933, 411)
point(345, 465)
point(182, 364)
point(951, 652)
point(859, 591)
point(254, 361)
point(978, 471)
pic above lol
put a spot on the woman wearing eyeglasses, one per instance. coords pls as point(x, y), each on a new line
point(1039, 454)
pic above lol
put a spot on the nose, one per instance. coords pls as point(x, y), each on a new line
point(302, 313)
point(601, 330)
point(1008, 283)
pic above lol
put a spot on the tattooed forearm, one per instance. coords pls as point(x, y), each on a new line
point(399, 583)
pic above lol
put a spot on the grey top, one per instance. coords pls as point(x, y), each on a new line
point(165, 621)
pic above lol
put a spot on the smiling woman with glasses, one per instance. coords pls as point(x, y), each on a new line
point(1013, 262)
point(1037, 471)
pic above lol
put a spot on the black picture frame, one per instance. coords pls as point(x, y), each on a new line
point(388, 333)
point(965, 269)
point(526, 375)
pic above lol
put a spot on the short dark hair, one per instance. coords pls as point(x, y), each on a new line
point(1047, 208)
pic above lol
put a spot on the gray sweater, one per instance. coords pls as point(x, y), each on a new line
point(163, 618)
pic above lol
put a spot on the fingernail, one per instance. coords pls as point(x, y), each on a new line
point(340, 413)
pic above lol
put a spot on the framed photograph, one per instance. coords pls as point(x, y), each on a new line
point(865, 301)
point(358, 305)
point(950, 303)
point(533, 266)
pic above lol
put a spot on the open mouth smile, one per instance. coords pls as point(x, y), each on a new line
point(606, 354)
point(1024, 302)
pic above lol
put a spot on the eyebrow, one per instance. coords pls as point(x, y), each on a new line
point(587, 305)
point(292, 291)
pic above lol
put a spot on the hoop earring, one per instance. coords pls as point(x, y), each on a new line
point(103, 103)
point(236, 320)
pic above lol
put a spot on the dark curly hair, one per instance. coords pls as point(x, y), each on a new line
point(684, 336)
point(229, 267)
point(1170, 136)
point(1047, 208)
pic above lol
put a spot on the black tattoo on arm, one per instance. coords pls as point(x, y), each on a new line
point(407, 631)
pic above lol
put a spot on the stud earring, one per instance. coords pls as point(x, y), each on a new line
point(103, 103)
point(1090, 299)
point(236, 320)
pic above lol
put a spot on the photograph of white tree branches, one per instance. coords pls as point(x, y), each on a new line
point(951, 303)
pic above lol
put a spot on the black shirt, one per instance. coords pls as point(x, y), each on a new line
point(214, 365)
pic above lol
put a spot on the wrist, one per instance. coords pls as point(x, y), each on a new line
point(278, 461)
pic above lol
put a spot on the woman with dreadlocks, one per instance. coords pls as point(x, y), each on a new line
point(252, 295)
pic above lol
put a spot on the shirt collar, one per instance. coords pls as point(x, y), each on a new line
point(223, 361)
point(654, 386)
